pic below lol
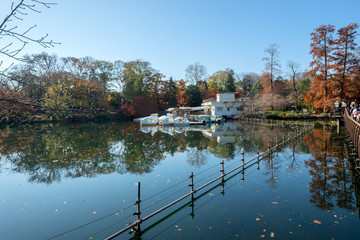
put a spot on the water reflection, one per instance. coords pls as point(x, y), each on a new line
point(49, 153)
point(331, 177)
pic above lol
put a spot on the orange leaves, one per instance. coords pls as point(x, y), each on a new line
point(334, 66)
point(266, 83)
point(317, 222)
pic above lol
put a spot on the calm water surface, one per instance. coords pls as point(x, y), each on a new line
point(80, 182)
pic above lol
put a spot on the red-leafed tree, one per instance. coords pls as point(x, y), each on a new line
point(345, 63)
point(127, 110)
point(266, 83)
point(321, 51)
point(275, 95)
point(183, 100)
point(14, 107)
point(144, 106)
point(211, 93)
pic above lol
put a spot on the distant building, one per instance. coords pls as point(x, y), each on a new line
point(225, 105)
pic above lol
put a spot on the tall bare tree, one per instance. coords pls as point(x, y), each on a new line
point(195, 73)
point(272, 64)
point(293, 72)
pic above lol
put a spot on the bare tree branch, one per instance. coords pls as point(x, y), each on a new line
point(195, 73)
point(16, 40)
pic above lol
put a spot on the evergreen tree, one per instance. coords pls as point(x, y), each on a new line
point(230, 82)
point(194, 94)
point(171, 93)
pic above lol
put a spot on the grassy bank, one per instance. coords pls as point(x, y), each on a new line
point(284, 115)
point(294, 115)
point(78, 117)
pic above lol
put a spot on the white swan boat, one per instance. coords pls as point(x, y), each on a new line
point(181, 121)
point(166, 120)
point(152, 120)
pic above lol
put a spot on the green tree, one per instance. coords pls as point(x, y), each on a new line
point(57, 100)
point(248, 82)
point(218, 80)
point(171, 93)
point(101, 71)
point(194, 94)
point(136, 76)
point(304, 86)
point(230, 82)
point(256, 89)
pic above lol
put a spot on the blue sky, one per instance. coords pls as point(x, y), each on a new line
point(172, 34)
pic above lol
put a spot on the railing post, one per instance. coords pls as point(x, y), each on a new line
point(269, 145)
point(222, 171)
point(283, 139)
point(258, 159)
point(138, 201)
point(191, 185)
point(138, 212)
point(243, 159)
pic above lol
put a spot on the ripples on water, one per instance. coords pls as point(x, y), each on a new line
point(56, 178)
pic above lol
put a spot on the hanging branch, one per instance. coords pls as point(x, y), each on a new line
point(15, 106)
point(8, 30)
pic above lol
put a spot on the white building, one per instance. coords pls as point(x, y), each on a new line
point(225, 105)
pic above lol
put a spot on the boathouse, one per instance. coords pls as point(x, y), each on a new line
point(225, 105)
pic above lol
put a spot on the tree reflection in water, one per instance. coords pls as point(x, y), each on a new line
point(331, 177)
point(48, 153)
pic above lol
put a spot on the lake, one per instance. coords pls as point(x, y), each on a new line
point(80, 181)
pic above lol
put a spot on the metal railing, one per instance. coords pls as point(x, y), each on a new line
point(353, 131)
point(278, 143)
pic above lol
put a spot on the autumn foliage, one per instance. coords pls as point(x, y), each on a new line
point(335, 66)
point(144, 106)
point(14, 105)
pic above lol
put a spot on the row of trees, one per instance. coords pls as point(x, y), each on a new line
point(335, 69)
point(333, 74)
point(275, 92)
point(59, 87)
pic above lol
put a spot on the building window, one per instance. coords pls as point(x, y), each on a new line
point(238, 108)
point(228, 109)
point(219, 109)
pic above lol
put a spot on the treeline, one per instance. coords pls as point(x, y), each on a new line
point(48, 87)
point(333, 74)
